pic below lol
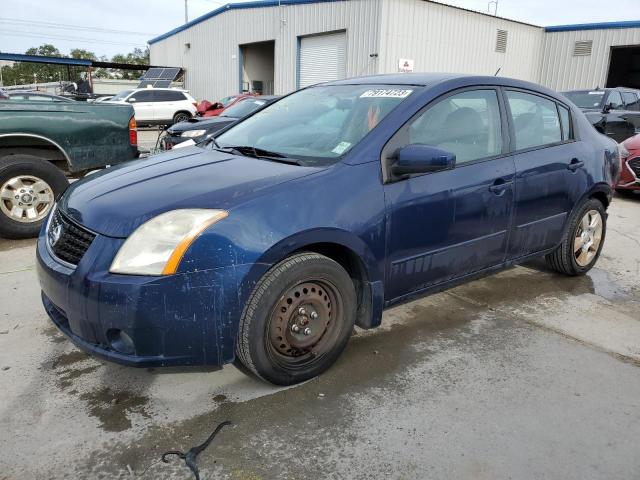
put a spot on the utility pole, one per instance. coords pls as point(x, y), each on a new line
point(186, 12)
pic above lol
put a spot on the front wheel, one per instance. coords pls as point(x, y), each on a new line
point(298, 319)
point(582, 241)
point(28, 188)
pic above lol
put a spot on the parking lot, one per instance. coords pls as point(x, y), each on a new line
point(526, 374)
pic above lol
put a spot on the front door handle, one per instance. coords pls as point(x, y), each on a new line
point(499, 186)
point(575, 164)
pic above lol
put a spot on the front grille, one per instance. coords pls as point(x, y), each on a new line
point(67, 241)
point(634, 165)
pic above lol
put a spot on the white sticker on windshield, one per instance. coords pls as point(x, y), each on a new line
point(596, 93)
point(386, 93)
point(341, 147)
point(260, 102)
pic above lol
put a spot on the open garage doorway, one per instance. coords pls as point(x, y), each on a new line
point(257, 67)
point(624, 67)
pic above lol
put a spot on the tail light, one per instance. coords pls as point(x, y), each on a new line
point(133, 132)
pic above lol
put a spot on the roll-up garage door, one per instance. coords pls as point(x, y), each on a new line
point(322, 58)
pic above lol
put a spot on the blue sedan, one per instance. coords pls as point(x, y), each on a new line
point(268, 244)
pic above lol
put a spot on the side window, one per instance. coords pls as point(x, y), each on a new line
point(630, 101)
point(168, 96)
point(615, 100)
point(467, 124)
point(144, 96)
point(565, 121)
point(535, 120)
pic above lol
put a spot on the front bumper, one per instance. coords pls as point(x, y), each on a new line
point(175, 320)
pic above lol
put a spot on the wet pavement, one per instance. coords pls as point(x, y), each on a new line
point(525, 374)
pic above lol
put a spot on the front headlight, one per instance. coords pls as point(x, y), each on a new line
point(193, 133)
point(157, 246)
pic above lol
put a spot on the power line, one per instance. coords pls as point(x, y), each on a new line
point(22, 22)
point(68, 38)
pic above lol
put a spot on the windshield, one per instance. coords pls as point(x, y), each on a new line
point(243, 108)
point(122, 95)
point(227, 100)
point(317, 125)
point(586, 99)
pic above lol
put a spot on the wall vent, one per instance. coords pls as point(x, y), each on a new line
point(501, 41)
point(582, 48)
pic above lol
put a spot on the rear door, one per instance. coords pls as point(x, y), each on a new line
point(455, 222)
point(168, 103)
point(143, 105)
point(550, 174)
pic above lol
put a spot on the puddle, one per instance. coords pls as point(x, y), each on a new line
point(114, 409)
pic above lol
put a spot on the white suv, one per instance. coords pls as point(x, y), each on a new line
point(164, 106)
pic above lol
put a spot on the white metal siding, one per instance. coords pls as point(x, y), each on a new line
point(322, 58)
point(212, 63)
point(561, 70)
point(441, 38)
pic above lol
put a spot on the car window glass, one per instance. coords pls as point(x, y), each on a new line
point(40, 98)
point(535, 120)
point(565, 120)
point(168, 96)
point(630, 100)
point(17, 97)
point(144, 96)
point(586, 99)
point(615, 100)
point(467, 124)
point(227, 100)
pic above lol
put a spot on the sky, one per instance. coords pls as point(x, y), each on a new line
point(107, 27)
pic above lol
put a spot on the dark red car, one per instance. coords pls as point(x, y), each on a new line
point(630, 175)
point(208, 109)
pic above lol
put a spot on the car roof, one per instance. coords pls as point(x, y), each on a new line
point(160, 88)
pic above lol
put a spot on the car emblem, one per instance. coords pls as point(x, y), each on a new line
point(54, 235)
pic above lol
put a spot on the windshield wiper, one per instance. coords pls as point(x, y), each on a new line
point(250, 151)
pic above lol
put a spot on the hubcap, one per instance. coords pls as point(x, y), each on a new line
point(303, 324)
point(26, 198)
point(588, 238)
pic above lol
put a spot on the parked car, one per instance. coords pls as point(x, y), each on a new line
point(199, 128)
point(158, 106)
point(104, 98)
point(317, 212)
point(629, 182)
point(208, 109)
point(68, 139)
point(612, 111)
point(37, 97)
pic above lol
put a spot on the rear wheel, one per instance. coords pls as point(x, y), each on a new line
point(298, 319)
point(181, 117)
point(28, 188)
point(582, 241)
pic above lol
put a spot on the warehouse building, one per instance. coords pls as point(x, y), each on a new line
point(274, 47)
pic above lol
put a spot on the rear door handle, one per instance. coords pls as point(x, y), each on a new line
point(575, 164)
point(499, 186)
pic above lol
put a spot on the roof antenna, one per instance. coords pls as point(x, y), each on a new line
point(497, 72)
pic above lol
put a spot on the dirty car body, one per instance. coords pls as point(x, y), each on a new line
point(497, 202)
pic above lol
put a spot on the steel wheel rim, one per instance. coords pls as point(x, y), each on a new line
point(588, 237)
point(26, 198)
point(314, 304)
point(181, 118)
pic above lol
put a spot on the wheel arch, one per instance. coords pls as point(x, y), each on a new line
point(346, 249)
point(27, 141)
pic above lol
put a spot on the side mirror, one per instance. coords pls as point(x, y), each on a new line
point(420, 158)
point(607, 108)
point(131, 100)
point(217, 105)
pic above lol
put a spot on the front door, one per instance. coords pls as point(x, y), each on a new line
point(143, 105)
point(550, 173)
point(455, 222)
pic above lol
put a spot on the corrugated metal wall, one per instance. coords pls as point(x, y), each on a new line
point(561, 70)
point(212, 61)
point(444, 39)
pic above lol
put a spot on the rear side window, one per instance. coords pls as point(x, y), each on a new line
point(467, 124)
point(630, 101)
point(535, 120)
point(565, 122)
point(615, 100)
point(169, 96)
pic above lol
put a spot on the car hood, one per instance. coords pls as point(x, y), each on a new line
point(198, 123)
point(116, 201)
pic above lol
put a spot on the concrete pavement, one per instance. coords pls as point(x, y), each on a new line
point(525, 374)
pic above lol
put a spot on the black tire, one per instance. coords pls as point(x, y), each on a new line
point(29, 166)
point(255, 348)
point(563, 259)
point(181, 117)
